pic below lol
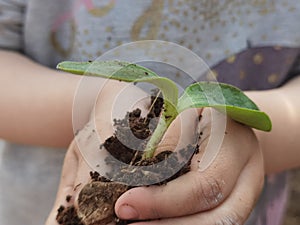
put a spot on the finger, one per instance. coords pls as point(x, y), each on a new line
point(82, 177)
point(193, 192)
point(236, 208)
point(174, 199)
point(181, 132)
point(66, 186)
point(68, 175)
point(188, 194)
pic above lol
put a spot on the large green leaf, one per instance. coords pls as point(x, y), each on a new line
point(226, 98)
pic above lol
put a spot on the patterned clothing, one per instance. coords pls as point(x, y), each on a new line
point(252, 44)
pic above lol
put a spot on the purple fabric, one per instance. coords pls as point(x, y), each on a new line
point(258, 68)
point(263, 68)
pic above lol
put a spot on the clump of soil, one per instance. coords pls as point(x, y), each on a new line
point(97, 198)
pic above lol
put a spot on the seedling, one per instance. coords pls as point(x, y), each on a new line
point(223, 97)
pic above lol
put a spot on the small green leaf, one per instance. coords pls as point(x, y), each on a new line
point(117, 70)
point(129, 72)
point(225, 97)
point(123, 71)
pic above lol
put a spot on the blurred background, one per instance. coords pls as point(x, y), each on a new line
point(293, 211)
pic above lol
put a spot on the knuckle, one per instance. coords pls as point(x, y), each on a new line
point(213, 191)
point(155, 213)
point(231, 219)
point(209, 192)
point(154, 209)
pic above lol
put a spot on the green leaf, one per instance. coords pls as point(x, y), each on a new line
point(227, 98)
point(130, 72)
point(108, 69)
point(123, 71)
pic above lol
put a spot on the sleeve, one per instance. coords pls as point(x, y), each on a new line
point(295, 69)
point(12, 16)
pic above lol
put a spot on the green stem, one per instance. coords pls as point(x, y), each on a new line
point(168, 115)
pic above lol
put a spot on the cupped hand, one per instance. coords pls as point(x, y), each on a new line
point(79, 159)
point(224, 182)
point(221, 188)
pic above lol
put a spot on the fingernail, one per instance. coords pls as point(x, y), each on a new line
point(127, 212)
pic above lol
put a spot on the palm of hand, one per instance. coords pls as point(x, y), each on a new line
point(220, 187)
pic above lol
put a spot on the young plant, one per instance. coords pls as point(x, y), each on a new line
point(220, 96)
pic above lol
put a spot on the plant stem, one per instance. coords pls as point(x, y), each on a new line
point(168, 115)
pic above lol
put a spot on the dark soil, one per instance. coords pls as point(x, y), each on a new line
point(97, 198)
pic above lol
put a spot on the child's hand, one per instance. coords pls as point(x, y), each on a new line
point(224, 193)
point(73, 177)
point(75, 172)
